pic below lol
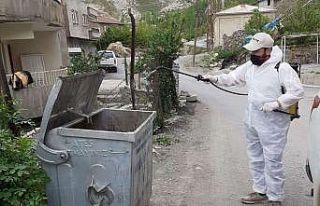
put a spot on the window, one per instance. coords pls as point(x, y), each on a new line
point(85, 19)
point(74, 16)
point(96, 30)
point(107, 55)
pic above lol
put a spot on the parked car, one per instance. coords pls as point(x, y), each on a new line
point(313, 163)
point(108, 61)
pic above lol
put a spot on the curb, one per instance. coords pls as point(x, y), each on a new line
point(311, 86)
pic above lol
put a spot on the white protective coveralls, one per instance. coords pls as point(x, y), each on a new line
point(266, 132)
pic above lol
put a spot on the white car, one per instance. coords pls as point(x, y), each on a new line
point(108, 61)
point(314, 149)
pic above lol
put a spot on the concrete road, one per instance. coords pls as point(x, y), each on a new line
point(120, 74)
point(226, 176)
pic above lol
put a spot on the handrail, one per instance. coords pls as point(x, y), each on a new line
point(45, 78)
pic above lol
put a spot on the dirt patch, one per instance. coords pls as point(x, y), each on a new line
point(172, 170)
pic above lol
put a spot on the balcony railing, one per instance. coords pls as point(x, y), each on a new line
point(45, 79)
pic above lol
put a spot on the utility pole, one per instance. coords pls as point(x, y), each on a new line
point(4, 88)
point(133, 41)
point(213, 7)
point(195, 32)
point(210, 26)
point(218, 5)
point(5, 92)
point(126, 69)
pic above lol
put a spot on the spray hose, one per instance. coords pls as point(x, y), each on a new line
point(200, 78)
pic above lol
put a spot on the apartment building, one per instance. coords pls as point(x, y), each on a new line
point(32, 38)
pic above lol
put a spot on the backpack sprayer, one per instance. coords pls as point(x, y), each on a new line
point(293, 112)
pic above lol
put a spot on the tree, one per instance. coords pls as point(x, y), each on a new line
point(256, 23)
point(163, 48)
point(114, 34)
point(302, 17)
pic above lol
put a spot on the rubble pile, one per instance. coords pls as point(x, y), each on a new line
point(119, 49)
point(234, 41)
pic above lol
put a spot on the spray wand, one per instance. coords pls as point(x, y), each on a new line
point(200, 78)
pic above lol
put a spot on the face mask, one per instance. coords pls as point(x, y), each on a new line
point(257, 60)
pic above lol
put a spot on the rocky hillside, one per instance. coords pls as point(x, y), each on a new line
point(119, 8)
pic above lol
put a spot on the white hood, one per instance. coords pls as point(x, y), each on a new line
point(276, 56)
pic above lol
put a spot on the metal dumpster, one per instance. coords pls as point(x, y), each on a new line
point(101, 157)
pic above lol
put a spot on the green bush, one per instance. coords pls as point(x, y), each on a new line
point(84, 63)
point(21, 178)
point(7, 116)
point(10, 118)
point(22, 181)
point(219, 54)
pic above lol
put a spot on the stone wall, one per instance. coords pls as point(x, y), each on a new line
point(303, 54)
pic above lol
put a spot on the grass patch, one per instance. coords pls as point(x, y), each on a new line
point(164, 139)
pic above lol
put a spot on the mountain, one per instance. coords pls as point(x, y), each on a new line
point(119, 8)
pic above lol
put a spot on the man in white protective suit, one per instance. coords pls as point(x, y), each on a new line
point(266, 130)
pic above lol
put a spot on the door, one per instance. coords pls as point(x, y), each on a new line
point(34, 63)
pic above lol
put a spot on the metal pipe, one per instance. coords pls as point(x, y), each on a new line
point(318, 48)
point(281, 45)
point(284, 48)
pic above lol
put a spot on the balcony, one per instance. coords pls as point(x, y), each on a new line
point(33, 98)
point(92, 12)
point(48, 11)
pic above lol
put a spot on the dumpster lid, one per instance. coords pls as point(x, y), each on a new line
point(70, 98)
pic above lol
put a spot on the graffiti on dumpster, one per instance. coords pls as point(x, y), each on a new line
point(85, 148)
